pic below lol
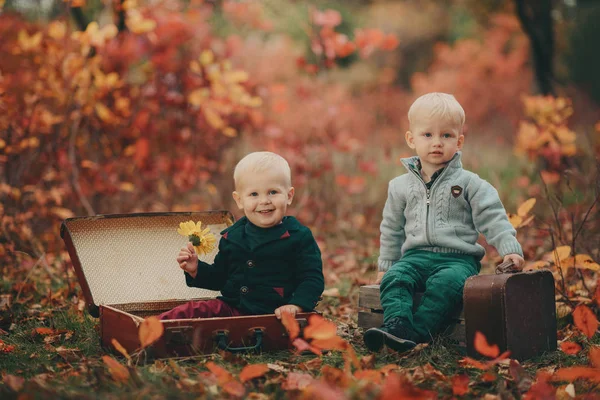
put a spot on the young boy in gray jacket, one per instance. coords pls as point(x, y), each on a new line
point(431, 222)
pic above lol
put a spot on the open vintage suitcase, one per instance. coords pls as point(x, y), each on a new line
point(516, 311)
point(126, 267)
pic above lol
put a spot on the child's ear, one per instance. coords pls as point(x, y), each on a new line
point(409, 139)
point(461, 141)
point(290, 195)
point(238, 200)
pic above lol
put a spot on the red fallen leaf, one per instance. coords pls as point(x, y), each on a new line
point(151, 329)
point(488, 377)
point(571, 374)
point(319, 328)
point(484, 348)
point(474, 363)
point(570, 348)
point(541, 390)
point(297, 381)
point(398, 386)
point(460, 385)
point(118, 371)
point(595, 356)
point(335, 376)
point(43, 331)
point(234, 388)
point(253, 371)
point(302, 345)
point(585, 320)
point(323, 391)
point(369, 375)
point(291, 324)
point(6, 348)
point(221, 373)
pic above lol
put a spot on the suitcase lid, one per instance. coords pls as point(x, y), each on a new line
point(130, 258)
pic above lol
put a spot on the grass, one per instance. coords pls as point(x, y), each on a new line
point(77, 370)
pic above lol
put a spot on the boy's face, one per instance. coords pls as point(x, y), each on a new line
point(264, 197)
point(435, 141)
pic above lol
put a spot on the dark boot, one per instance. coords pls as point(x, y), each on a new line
point(393, 334)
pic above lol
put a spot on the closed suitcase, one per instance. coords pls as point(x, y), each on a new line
point(126, 267)
point(515, 311)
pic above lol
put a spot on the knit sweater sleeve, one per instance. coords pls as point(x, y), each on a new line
point(392, 228)
point(489, 217)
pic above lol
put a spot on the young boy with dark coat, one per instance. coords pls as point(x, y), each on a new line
point(267, 262)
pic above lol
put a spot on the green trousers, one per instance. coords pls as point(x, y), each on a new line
point(441, 276)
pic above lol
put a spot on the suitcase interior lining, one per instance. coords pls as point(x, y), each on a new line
point(139, 311)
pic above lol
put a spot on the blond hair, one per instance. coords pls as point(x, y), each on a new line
point(437, 105)
point(262, 161)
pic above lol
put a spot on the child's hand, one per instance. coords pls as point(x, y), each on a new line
point(380, 275)
point(291, 308)
point(188, 260)
point(516, 259)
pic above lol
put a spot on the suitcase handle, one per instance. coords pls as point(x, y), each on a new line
point(507, 267)
point(221, 337)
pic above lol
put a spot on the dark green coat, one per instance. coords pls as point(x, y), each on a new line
point(285, 269)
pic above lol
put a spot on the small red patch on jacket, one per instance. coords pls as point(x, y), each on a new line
point(279, 290)
point(286, 234)
point(225, 235)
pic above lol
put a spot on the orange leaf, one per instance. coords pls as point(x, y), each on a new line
point(234, 388)
point(297, 381)
point(488, 377)
point(118, 371)
point(397, 386)
point(120, 348)
point(319, 328)
point(369, 375)
point(291, 324)
point(151, 329)
point(44, 331)
point(332, 343)
point(460, 385)
point(484, 348)
point(560, 253)
point(571, 374)
point(221, 373)
point(595, 356)
point(253, 371)
point(302, 345)
point(570, 348)
point(475, 363)
point(585, 320)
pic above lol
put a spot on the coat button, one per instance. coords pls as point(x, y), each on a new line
point(244, 289)
point(250, 263)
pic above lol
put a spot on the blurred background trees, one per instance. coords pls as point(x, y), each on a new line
point(130, 106)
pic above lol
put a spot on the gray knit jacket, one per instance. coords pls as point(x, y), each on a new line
point(446, 218)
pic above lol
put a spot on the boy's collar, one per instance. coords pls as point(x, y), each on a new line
point(235, 232)
point(414, 162)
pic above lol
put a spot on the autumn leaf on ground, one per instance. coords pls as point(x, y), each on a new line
point(571, 374)
point(541, 389)
point(253, 371)
point(460, 385)
point(118, 371)
point(398, 386)
point(483, 347)
point(151, 329)
point(560, 253)
point(369, 375)
point(221, 373)
point(6, 348)
point(585, 320)
point(297, 381)
point(291, 324)
point(14, 382)
point(570, 348)
point(595, 356)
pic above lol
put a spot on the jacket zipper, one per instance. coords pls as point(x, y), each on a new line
point(428, 194)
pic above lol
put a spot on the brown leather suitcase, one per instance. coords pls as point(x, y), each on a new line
point(515, 311)
point(126, 267)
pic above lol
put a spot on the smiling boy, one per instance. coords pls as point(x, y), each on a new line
point(267, 262)
point(431, 223)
